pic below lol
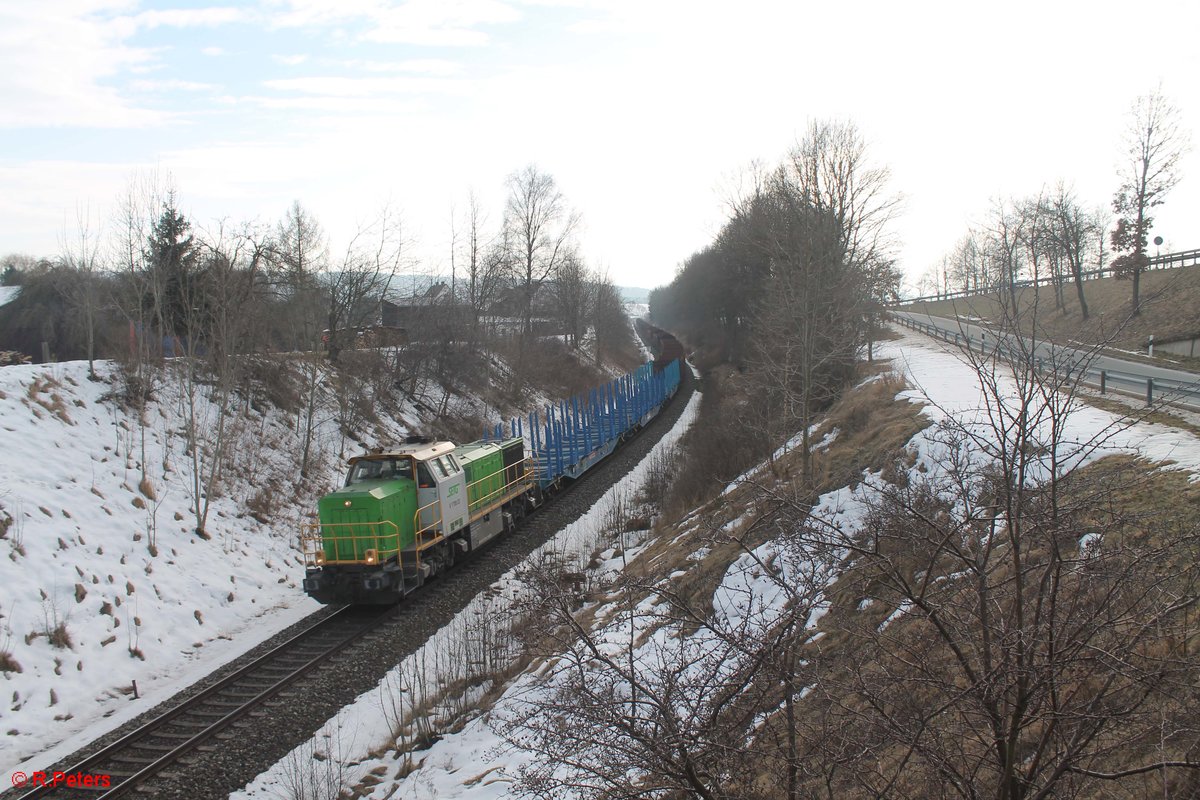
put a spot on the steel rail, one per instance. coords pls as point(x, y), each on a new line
point(136, 739)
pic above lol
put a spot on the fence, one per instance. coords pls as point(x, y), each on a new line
point(1184, 258)
point(1072, 362)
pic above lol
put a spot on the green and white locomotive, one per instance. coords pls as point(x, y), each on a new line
point(406, 514)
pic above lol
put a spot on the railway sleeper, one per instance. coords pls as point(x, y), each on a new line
point(249, 692)
point(278, 670)
point(153, 747)
point(224, 706)
point(130, 758)
point(211, 713)
point(260, 684)
point(291, 663)
point(190, 729)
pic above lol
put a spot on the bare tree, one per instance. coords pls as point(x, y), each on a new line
point(661, 696)
point(1006, 231)
point(301, 261)
point(81, 256)
point(1074, 230)
point(540, 229)
point(1041, 248)
point(810, 325)
point(574, 296)
point(822, 224)
point(1153, 146)
point(136, 297)
point(486, 264)
point(614, 335)
point(969, 264)
point(361, 278)
point(300, 258)
point(1032, 649)
point(831, 170)
point(218, 319)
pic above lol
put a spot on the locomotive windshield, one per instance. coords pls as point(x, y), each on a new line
point(379, 469)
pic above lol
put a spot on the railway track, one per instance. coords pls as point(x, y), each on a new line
point(209, 748)
point(171, 738)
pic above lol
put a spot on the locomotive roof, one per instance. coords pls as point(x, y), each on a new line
point(422, 451)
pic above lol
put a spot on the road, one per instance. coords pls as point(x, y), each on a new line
point(1159, 384)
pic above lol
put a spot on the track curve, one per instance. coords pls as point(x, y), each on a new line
point(282, 714)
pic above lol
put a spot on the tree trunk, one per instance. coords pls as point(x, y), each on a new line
point(1137, 277)
point(1083, 307)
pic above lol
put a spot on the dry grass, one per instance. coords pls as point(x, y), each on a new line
point(41, 392)
point(1170, 299)
point(1159, 416)
point(146, 487)
point(1120, 495)
point(872, 430)
point(8, 663)
point(59, 636)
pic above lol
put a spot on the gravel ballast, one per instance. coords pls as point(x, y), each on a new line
point(236, 756)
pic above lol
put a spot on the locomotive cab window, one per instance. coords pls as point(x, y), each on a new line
point(424, 478)
point(379, 469)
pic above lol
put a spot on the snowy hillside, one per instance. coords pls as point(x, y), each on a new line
point(479, 761)
point(104, 580)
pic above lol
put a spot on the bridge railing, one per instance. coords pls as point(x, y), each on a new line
point(1183, 258)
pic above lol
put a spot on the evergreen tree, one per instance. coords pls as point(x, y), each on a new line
point(171, 260)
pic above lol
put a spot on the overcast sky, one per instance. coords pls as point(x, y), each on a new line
point(645, 112)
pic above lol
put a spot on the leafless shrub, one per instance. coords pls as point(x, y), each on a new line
point(317, 769)
point(8, 663)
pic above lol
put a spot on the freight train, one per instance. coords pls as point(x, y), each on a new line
point(665, 347)
point(409, 512)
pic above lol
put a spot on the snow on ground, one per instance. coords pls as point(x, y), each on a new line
point(938, 372)
point(453, 766)
point(77, 554)
point(476, 762)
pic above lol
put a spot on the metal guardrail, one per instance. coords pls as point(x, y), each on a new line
point(1163, 390)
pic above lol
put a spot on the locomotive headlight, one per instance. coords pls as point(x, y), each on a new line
point(320, 558)
point(347, 503)
point(371, 556)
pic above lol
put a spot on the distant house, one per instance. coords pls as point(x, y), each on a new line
point(430, 315)
point(507, 312)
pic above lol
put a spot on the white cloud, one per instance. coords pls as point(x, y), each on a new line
point(171, 86)
point(365, 87)
point(213, 50)
point(371, 107)
point(322, 13)
point(187, 17)
point(54, 59)
point(436, 23)
point(424, 66)
point(445, 23)
point(638, 121)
